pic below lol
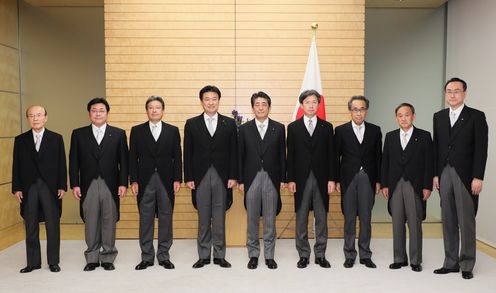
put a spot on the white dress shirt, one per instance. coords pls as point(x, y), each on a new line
point(215, 118)
point(314, 123)
point(99, 137)
point(405, 137)
point(454, 114)
point(262, 127)
point(38, 136)
point(156, 129)
point(359, 130)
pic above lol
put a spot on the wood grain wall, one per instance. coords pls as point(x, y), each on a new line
point(10, 120)
point(172, 49)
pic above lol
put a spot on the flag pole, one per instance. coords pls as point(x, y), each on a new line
point(315, 26)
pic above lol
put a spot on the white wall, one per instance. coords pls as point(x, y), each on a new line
point(404, 62)
point(471, 55)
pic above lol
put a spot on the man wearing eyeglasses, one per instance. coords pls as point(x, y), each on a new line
point(98, 165)
point(359, 151)
point(460, 154)
point(39, 181)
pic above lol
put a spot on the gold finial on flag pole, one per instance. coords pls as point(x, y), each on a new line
point(315, 26)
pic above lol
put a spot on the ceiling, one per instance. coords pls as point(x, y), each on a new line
point(368, 3)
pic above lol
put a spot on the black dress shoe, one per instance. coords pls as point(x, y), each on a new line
point(467, 275)
point(29, 269)
point(348, 263)
point(222, 262)
point(443, 271)
point(322, 261)
point(253, 263)
point(108, 266)
point(54, 268)
point(368, 263)
point(201, 262)
point(398, 265)
point(143, 265)
point(271, 264)
point(91, 266)
point(167, 264)
point(416, 268)
point(302, 263)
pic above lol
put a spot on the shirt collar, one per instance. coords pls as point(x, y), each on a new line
point(408, 132)
point(40, 133)
point(102, 128)
point(306, 119)
point(457, 111)
point(356, 125)
point(215, 117)
point(265, 123)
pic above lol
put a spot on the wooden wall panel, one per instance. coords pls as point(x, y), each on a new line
point(10, 119)
point(172, 49)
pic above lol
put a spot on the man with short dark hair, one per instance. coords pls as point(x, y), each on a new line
point(155, 172)
point(39, 180)
point(311, 176)
point(406, 181)
point(262, 165)
point(359, 150)
point(460, 155)
point(210, 171)
point(98, 171)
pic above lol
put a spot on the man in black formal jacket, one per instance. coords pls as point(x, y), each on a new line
point(39, 180)
point(210, 171)
point(311, 176)
point(155, 172)
point(460, 154)
point(262, 165)
point(406, 181)
point(359, 150)
point(98, 166)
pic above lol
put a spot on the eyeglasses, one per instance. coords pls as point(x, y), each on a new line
point(98, 111)
point(39, 115)
point(455, 92)
point(359, 110)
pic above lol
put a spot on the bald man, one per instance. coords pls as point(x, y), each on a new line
point(39, 180)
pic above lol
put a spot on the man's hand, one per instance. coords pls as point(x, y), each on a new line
point(241, 187)
point(122, 191)
point(476, 186)
point(385, 192)
point(177, 186)
point(60, 193)
point(330, 186)
point(135, 188)
point(283, 185)
point(231, 183)
point(76, 191)
point(292, 187)
point(426, 193)
point(435, 183)
point(191, 184)
point(18, 195)
point(338, 187)
point(377, 187)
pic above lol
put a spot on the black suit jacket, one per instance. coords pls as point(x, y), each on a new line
point(269, 154)
point(48, 164)
point(147, 156)
point(311, 153)
point(464, 146)
point(202, 151)
point(414, 163)
point(351, 155)
point(88, 160)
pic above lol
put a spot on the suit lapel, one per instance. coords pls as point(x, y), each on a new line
point(411, 146)
point(108, 136)
point(149, 139)
point(202, 127)
point(269, 134)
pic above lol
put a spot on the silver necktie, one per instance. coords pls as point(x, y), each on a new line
point(37, 142)
point(310, 127)
point(359, 132)
point(99, 136)
point(154, 132)
point(211, 125)
point(404, 141)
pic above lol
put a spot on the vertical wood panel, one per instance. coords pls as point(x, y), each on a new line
point(171, 49)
